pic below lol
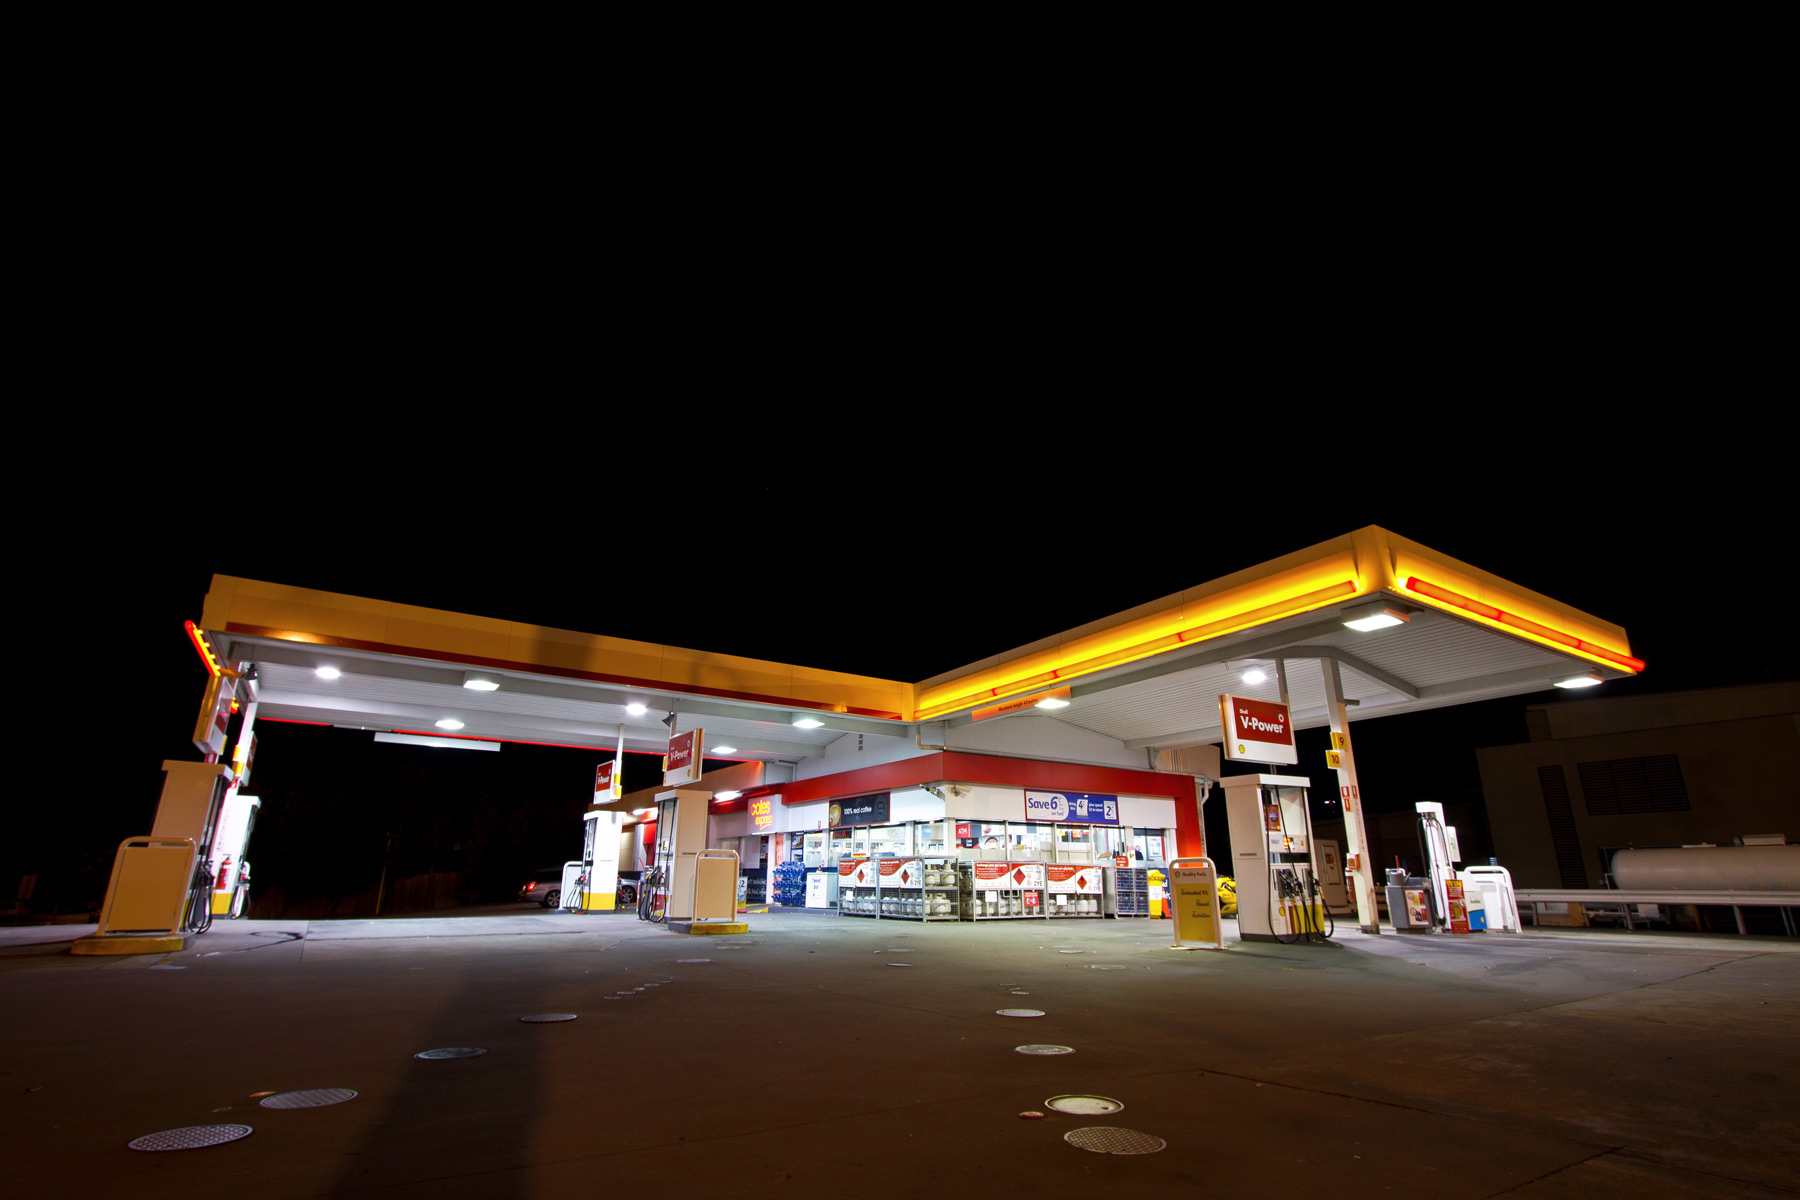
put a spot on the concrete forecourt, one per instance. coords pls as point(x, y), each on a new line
point(820, 1056)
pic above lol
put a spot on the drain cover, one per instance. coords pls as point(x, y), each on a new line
point(1071, 951)
point(899, 964)
point(547, 1018)
point(1105, 967)
point(896, 950)
point(1105, 1139)
point(1043, 1048)
point(1018, 1012)
point(682, 960)
point(309, 1098)
point(452, 1052)
point(1087, 1106)
point(194, 1137)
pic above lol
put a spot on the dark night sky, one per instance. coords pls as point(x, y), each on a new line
point(889, 438)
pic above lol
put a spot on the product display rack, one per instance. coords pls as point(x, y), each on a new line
point(1076, 892)
point(856, 901)
point(916, 890)
point(790, 885)
point(1133, 892)
point(1022, 902)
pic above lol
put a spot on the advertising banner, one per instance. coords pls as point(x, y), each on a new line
point(1459, 909)
point(900, 873)
point(605, 787)
point(858, 873)
point(1066, 879)
point(858, 810)
point(1025, 875)
point(1074, 808)
point(1418, 912)
point(992, 876)
point(1193, 892)
point(1257, 731)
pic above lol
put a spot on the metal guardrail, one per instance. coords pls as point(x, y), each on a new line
point(1625, 902)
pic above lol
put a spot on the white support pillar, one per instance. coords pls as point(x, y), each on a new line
point(1355, 833)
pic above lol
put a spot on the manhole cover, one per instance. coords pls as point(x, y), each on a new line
point(1043, 1048)
point(1105, 1139)
point(452, 1052)
point(1018, 1012)
point(547, 1018)
point(309, 1098)
point(194, 1137)
point(1087, 1106)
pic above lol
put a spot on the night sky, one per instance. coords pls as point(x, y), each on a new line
point(900, 570)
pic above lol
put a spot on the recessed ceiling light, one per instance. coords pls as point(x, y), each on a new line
point(327, 672)
point(1052, 702)
point(723, 750)
point(1255, 675)
point(449, 723)
point(635, 709)
point(1581, 681)
point(1366, 618)
point(805, 722)
point(480, 681)
point(726, 795)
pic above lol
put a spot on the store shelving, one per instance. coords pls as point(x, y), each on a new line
point(1132, 890)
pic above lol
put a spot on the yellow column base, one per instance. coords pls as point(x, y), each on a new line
point(130, 943)
point(710, 927)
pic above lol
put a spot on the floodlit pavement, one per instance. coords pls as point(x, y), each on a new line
point(821, 1055)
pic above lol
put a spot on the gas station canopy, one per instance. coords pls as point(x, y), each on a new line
point(1409, 628)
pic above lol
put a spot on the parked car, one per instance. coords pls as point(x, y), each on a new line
point(545, 887)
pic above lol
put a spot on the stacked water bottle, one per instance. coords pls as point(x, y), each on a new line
point(790, 884)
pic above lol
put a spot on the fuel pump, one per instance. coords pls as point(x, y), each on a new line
point(231, 870)
point(595, 883)
point(667, 889)
point(1278, 889)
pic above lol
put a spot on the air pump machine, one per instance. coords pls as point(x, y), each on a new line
point(1278, 890)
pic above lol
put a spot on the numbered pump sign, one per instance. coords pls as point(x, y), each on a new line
point(1257, 731)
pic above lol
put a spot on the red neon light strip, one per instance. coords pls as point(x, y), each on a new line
point(206, 654)
point(1502, 617)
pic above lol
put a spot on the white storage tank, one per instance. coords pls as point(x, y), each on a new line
point(1708, 869)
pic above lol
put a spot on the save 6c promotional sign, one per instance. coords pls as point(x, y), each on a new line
point(1257, 731)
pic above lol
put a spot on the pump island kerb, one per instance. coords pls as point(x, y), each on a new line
point(1048, 781)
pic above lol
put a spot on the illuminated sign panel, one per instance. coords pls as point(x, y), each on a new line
point(762, 813)
point(1074, 808)
point(683, 763)
point(858, 810)
point(1257, 731)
